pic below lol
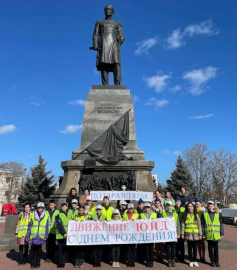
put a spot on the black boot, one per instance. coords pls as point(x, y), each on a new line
point(133, 264)
point(37, 263)
point(129, 264)
point(218, 264)
point(80, 263)
point(213, 264)
point(24, 260)
point(33, 264)
point(76, 264)
point(21, 261)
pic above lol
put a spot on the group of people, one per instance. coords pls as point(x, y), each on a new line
point(195, 223)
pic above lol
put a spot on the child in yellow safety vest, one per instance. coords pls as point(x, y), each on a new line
point(148, 247)
point(131, 251)
point(191, 231)
point(107, 209)
point(180, 250)
point(213, 231)
point(115, 249)
point(73, 210)
point(97, 250)
point(51, 241)
point(201, 243)
point(171, 246)
point(37, 233)
point(62, 220)
point(80, 250)
point(21, 231)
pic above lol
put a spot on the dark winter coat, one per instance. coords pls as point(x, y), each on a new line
point(185, 198)
point(70, 198)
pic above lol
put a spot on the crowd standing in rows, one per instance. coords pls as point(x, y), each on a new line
point(194, 223)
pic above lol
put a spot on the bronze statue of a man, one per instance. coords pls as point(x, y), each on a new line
point(107, 39)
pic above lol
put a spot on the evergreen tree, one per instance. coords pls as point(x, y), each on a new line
point(38, 183)
point(180, 177)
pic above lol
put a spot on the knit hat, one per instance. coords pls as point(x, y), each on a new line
point(140, 201)
point(178, 199)
point(157, 200)
point(122, 202)
point(197, 200)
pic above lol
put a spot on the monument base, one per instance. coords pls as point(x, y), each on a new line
point(73, 170)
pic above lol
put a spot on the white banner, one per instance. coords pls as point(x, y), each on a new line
point(139, 231)
point(122, 195)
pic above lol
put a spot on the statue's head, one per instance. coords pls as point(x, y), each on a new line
point(109, 10)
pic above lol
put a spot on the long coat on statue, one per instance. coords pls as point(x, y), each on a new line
point(107, 37)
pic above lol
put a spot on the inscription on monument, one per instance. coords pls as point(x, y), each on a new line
point(108, 109)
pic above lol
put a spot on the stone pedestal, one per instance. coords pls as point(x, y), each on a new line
point(103, 107)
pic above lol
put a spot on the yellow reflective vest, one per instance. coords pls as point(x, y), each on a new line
point(91, 213)
point(108, 213)
point(175, 216)
point(23, 224)
point(212, 229)
point(79, 218)
point(191, 225)
point(134, 216)
point(52, 225)
point(65, 219)
point(39, 226)
point(152, 215)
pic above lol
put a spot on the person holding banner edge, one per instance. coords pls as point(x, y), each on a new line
point(79, 250)
point(148, 214)
point(97, 250)
point(131, 251)
point(180, 244)
point(115, 249)
point(62, 220)
point(171, 246)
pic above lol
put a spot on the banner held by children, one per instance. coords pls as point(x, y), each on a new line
point(122, 195)
point(91, 232)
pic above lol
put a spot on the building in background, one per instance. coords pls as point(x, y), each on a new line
point(155, 179)
point(10, 187)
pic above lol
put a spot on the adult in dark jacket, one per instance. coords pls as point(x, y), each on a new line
point(184, 196)
point(72, 195)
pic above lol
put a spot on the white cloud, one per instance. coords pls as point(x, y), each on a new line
point(175, 89)
point(145, 45)
point(135, 99)
point(31, 156)
point(7, 128)
point(175, 40)
point(158, 103)
point(177, 37)
point(158, 82)
point(204, 116)
point(166, 151)
point(71, 129)
point(205, 28)
point(177, 153)
point(35, 103)
point(197, 79)
point(79, 102)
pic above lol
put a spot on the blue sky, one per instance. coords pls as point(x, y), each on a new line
point(178, 59)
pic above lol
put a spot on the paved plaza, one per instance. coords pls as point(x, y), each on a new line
point(228, 256)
